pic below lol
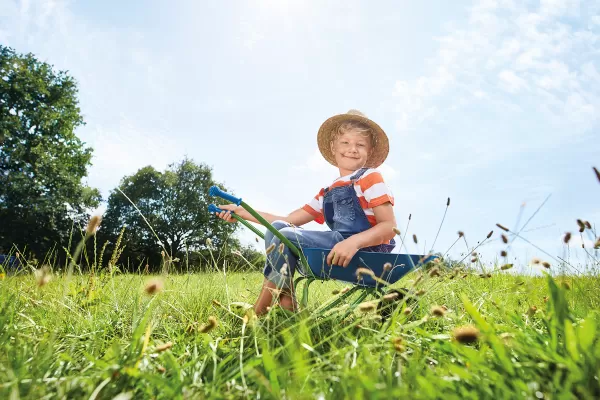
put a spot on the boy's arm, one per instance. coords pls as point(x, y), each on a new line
point(298, 217)
point(382, 232)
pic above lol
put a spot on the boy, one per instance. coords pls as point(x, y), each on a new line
point(357, 207)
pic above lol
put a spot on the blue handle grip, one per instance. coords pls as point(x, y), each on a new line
point(213, 209)
point(215, 191)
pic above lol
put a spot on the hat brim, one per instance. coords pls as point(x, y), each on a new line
point(329, 127)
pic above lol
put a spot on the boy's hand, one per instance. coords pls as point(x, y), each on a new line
point(342, 253)
point(226, 213)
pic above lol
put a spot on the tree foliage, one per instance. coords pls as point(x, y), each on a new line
point(174, 203)
point(42, 161)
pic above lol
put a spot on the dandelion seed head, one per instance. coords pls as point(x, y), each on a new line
point(93, 225)
point(270, 249)
point(210, 325)
point(437, 311)
point(467, 334)
point(163, 347)
point(154, 286)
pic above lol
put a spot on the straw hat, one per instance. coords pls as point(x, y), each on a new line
point(330, 127)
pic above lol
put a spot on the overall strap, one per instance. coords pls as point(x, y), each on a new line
point(353, 179)
point(358, 174)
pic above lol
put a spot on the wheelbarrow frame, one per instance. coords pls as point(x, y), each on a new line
point(304, 268)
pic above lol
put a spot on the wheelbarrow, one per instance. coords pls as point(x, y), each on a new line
point(370, 273)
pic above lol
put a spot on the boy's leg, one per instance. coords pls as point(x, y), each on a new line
point(266, 297)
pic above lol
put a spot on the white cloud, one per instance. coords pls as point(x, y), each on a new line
point(527, 50)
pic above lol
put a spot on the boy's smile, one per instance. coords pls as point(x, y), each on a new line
point(351, 151)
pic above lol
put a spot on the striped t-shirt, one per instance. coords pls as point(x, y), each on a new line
point(370, 190)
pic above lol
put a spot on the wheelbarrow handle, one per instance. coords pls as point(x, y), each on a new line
point(215, 191)
point(212, 208)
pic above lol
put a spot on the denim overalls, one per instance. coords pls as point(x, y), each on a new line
point(343, 215)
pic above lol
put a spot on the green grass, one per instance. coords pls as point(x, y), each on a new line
point(96, 337)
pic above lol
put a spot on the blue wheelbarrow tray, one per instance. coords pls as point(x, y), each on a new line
point(401, 264)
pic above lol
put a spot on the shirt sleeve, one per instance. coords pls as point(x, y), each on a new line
point(315, 207)
point(375, 191)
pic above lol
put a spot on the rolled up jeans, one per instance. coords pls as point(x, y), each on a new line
point(274, 270)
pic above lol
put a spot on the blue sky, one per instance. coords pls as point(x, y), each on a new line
point(495, 104)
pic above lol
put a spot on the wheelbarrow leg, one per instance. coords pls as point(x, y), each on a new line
point(304, 301)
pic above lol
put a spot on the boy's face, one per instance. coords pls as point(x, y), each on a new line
point(351, 150)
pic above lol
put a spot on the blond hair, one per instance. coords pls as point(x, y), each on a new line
point(355, 127)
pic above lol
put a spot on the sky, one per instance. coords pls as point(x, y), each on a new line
point(495, 104)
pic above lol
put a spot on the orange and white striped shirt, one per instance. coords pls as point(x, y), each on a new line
point(370, 189)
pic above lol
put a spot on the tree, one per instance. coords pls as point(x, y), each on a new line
point(42, 161)
point(175, 204)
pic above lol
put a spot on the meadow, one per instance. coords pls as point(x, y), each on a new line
point(105, 335)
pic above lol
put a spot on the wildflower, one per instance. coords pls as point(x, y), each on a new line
point(209, 242)
point(461, 234)
point(420, 292)
point(366, 306)
point(2, 276)
point(387, 266)
point(503, 253)
point(391, 296)
point(567, 237)
point(344, 290)
point(546, 264)
point(489, 275)
point(363, 271)
point(209, 326)
point(545, 299)
point(434, 272)
point(597, 244)
point(270, 249)
point(502, 227)
point(415, 239)
point(504, 238)
point(396, 230)
point(335, 291)
point(163, 347)
point(437, 311)
point(154, 286)
point(43, 276)
point(474, 259)
point(407, 311)
point(284, 269)
point(506, 266)
point(566, 285)
point(93, 225)
point(281, 248)
point(581, 225)
point(587, 224)
point(536, 261)
point(398, 345)
point(161, 369)
point(490, 234)
point(532, 310)
point(466, 334)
